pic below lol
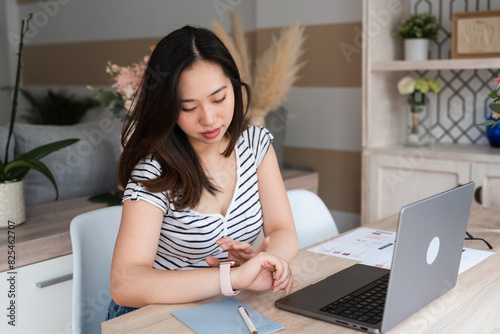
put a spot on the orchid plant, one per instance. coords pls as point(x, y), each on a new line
point(16, 169)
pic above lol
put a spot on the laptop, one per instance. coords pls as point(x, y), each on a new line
point(425, 263)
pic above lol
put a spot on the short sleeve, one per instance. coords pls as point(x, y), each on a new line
point(145, 170)
point(259, 139)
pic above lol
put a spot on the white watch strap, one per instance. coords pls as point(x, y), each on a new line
point(225, 280)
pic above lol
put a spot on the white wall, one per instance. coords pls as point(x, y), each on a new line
point(277, 13)
point(96, 20)
point(320, 117)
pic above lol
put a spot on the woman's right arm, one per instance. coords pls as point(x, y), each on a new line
point(135, 283)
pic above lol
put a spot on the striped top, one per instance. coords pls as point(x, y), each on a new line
point(188, 237)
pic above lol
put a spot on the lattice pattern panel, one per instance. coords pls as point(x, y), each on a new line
point(463, 101)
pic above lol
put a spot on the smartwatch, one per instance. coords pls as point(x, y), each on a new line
point(225, 278)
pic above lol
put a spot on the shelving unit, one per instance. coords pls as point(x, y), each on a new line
point(394, 175)
point(436, 65)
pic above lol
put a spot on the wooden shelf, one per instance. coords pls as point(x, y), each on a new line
point(467, 152)
point(437, 64)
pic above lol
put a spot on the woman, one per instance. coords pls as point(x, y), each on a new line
point(199, 184)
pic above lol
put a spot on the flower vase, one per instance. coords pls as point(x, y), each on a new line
point(415, 131)
point(493, 133)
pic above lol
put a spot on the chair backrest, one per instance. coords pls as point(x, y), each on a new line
point(93, 236)
point(313, 220)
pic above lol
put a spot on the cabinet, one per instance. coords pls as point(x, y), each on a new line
point(42, 304)
point(393, 175)
point(487, 178)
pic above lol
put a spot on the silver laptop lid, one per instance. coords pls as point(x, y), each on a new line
point(427, 253)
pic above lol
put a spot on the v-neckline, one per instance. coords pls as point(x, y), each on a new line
point(235, 190)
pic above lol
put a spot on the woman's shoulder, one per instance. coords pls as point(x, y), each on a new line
point(253, 133)
point(257, 140)
point(148, 166)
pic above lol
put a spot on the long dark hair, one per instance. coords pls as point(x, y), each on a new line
point(152, 126)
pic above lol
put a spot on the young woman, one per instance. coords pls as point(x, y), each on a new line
point(199, 185)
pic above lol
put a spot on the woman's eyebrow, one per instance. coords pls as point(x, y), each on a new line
point(211, 94)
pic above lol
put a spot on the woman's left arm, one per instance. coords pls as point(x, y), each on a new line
point(276, 212)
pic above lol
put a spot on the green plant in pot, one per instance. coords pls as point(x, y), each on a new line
point(416, 31)
point(12, 172)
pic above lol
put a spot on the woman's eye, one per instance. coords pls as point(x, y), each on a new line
point(219, 101)
point(183, 109)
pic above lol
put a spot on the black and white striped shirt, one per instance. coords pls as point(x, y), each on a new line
point(188, 237)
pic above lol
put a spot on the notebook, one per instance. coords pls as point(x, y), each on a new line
point(223, 317)
point(426, 259)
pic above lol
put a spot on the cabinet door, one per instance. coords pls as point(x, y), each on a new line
point(38, 309)
point(392, 181)
point(487, 178)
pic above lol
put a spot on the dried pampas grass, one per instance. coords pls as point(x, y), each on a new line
point(274, 73)
point(277, 70)
point(228, 42)
point(240, 43)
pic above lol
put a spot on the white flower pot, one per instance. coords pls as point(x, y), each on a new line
point(416, 48)
point(12, 204)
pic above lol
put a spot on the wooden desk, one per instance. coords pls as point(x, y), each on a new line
point(471, 307)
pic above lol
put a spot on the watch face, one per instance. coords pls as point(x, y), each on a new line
point(232, 263)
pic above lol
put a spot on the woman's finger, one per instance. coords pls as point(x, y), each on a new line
point(264, 245)
point(212, 261)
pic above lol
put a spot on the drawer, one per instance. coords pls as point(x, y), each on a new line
point(43, 294)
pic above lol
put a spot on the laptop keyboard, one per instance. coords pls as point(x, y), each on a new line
point(365, 304)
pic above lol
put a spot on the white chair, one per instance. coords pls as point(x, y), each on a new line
point(93, 236)
point(313, 220)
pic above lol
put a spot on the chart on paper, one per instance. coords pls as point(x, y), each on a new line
point(375, 248)
point(363, 244)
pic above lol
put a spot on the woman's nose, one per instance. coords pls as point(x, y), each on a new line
point(208, 116)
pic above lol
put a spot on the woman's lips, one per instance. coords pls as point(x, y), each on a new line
point(211, 134)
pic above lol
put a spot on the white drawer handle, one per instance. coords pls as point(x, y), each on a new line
point(53, 281)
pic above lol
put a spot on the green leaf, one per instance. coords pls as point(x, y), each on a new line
point(32, 164)
point(41, 151)
point(495, 107)
point(489, 122)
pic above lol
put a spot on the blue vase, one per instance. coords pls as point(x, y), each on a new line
point(493, 133)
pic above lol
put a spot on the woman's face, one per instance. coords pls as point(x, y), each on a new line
point(207, 103)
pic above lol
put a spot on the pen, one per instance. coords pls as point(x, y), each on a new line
point(246, 318)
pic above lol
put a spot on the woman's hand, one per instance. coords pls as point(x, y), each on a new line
point(264, 272)
point(237, 250)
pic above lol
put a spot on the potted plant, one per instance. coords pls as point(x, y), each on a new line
point(12, 172)
point(492, 129)
point(416, 31)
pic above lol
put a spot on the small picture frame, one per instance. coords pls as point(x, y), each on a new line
point(475, 34)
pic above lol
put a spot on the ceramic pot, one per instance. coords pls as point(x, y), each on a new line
point(493, 133)
point(416, 49)
point(12, 204)
point(276, 122)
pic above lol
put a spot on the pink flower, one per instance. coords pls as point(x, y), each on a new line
point(497, 80)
